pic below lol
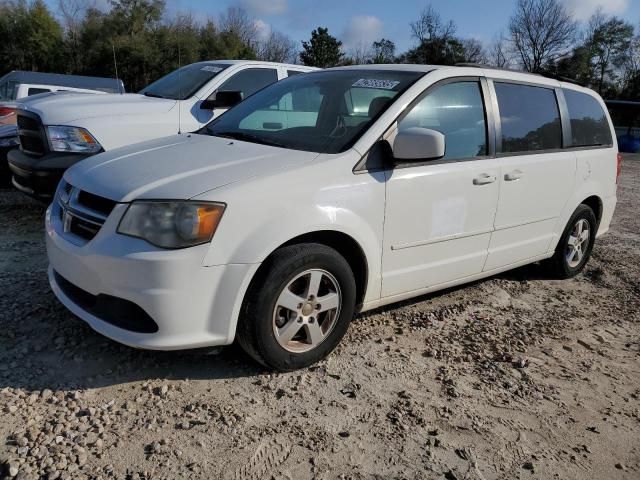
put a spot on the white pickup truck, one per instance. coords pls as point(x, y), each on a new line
point(57, 131)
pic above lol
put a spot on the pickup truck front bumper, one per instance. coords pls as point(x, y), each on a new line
point(38, 177)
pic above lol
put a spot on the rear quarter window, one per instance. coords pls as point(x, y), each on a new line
point(589, 124)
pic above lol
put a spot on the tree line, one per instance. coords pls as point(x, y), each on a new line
point(541, 37)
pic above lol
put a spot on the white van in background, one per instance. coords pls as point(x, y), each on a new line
point(334, 192)
point(57, 131)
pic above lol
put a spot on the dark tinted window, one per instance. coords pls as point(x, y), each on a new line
point(36, 91)
point(457, 111)
point(529, 118)
point(249, 81)
point(8, 90)
point(291, 73)
point(589, 125)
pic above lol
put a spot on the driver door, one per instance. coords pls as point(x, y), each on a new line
point(439, 214)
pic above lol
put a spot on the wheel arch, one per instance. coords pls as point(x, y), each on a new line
point(595, 203)
point(345, 245)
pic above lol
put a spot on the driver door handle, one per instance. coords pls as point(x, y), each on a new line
point(484, 179)
point(512, 176)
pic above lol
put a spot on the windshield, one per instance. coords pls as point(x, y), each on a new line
point(184, 82)
point(324, 112)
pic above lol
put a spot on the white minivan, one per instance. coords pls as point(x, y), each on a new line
point(326, 194)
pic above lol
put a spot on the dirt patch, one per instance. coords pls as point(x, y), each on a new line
point(518, 376)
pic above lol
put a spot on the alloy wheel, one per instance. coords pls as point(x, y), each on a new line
point(307, 310)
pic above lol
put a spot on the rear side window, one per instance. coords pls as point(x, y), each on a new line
point(457, 111)
point(8, 90)
point(36, 91)
point(589, 125)
point(529, 117)
point(291, 73)
point(249, 81)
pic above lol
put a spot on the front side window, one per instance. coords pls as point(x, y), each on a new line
point(589, 124)
point(457, 111)
point(184, 82)
point(314, 112)
point(249, 81)
point(529, 117)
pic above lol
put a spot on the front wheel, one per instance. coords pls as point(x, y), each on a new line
point(575, 245)
point(298, 308)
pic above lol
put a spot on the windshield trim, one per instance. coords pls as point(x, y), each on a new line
point(348, 145)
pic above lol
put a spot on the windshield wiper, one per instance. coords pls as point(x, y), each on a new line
point(153, 95)
point(248, 137)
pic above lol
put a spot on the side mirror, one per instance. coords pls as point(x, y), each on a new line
point(417, 144)
point(222, 99)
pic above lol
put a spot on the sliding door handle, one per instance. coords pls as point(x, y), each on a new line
point(513, 176)
point(484, 179)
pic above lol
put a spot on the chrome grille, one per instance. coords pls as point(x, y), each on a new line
point(81, 214)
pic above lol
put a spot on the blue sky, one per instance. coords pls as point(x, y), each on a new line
point(362, 21)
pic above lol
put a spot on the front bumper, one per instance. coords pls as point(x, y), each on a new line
point(192, 305)
point(39, 176)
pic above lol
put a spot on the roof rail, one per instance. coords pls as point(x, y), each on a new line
point(553, 76)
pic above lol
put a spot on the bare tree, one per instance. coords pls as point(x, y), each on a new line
point(360, 54)
point(542, 31)
point(278, 47)
point(237, 21)
point(499, 53)
point(429, 26)
point(474, 51)
point(73, 14)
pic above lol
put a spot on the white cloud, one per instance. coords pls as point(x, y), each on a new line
point(583, 9)
point(265, 7)
point(362, 31)
point(263, 29)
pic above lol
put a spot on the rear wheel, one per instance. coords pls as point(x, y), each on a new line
point(575, 245)
point(298, 308)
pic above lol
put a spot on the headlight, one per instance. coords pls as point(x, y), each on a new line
point(9, 142)
point(72, 139)
point(172, 224)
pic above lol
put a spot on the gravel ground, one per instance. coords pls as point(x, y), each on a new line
point(518, 376)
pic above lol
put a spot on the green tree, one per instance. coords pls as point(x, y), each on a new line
point(608, 43)
point(437, 42)
point(322, 50)
point(31, 37)
point(384, 51)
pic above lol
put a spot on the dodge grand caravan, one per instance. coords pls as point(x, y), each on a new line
point(326, 194)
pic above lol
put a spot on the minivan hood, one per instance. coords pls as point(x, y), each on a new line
point(178, 167)
point(65, 109)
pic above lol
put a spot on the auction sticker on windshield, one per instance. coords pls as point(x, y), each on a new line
point(212, 69)
point(373, 83)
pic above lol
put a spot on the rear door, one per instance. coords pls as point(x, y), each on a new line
point(439, 214)
point(537, 176)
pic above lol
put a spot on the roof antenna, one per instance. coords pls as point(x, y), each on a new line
point(179, 85)
point(115, 64)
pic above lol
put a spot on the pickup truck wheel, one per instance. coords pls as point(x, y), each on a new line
point(298, 308)
point(575, 245)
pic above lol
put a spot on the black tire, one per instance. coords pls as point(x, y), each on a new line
point(558, 265)
point(255, 331)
